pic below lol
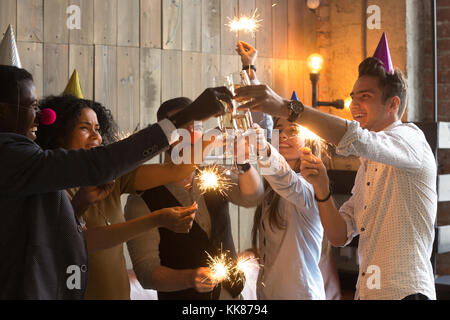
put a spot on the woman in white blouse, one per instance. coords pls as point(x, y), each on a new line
point(287, 222)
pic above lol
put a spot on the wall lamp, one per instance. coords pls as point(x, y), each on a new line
point(315, 65)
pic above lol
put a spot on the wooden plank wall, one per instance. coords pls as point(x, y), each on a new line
point(132, 55)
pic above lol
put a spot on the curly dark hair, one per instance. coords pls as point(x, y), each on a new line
point(68, 109)
point(392, 84)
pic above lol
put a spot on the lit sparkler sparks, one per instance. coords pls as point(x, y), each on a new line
point(224, 268)
point(244, 23)
point(243, 265)
point(212, 179)
point(220, 267)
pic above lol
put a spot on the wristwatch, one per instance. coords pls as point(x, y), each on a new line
point(243, 168)
point(296, 108)
point(252, 66)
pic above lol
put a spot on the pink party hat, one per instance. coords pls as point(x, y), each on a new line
point(9, 55)
point(383, 54)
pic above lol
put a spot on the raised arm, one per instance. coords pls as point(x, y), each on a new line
point(330, 128)
point(36, 171)
point(248, 56)
point(285, 181)
point(339, 228)
point(403, 146)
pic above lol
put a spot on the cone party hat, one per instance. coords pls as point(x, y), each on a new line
point(9, 55)
point(73, 87)
point(383, 54)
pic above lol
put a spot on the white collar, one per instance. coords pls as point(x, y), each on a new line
point(393, 125)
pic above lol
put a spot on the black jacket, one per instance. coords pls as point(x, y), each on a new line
point(42, 246)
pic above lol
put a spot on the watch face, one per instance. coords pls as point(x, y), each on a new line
point(297, 106)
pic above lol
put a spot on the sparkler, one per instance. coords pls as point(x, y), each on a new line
point(224, 268)
point(243, 265)
point(220, 267)
point(212, 179)
point(244, 23)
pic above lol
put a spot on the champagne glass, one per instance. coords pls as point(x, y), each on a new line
point(243, 119)
point(226, 122)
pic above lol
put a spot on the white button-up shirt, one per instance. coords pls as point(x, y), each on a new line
point(290, 257)
point(393, 209)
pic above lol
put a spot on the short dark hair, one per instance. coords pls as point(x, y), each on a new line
point(68, 110)
point(10, 78)
point(171, 105)
point(392, 84)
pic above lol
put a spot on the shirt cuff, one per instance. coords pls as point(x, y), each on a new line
point(351, 233)
point(169, 130)
point(344, 148)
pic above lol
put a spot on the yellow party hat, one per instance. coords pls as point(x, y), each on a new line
point(73, 88)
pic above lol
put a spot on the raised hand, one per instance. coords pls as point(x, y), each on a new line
point(208, 104)
point(315, 172)
point(178, 219)
point(247, 52)
point(262, 98)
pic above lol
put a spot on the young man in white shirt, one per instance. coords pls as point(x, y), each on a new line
point(393, 206)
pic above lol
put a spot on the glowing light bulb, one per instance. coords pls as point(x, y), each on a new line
point(347, 103)
point(315, 63)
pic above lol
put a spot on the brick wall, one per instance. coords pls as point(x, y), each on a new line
point(443, 37)
point(332, 16)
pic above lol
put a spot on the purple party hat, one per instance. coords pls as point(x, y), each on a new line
point(383, 54)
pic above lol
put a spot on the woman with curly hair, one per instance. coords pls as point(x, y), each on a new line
point(84, 124)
